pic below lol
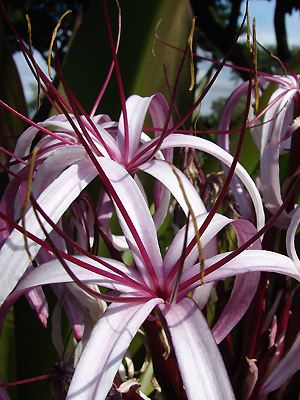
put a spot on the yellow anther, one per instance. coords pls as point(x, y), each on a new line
point(54, 34)
point(33, 60)
point(190, 44)
point(29, 31)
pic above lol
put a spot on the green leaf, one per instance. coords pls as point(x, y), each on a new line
point(89, 58)
point(146, 380)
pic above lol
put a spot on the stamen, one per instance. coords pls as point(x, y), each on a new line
point(33, 60)
point(253, 51)
point(74, 277)
point(120, 278)
point(28, 380)
point(210, 84)
point(157, 143)
point(102, 91)
point(190, 43)
point(54, 34)
point(185, 285)
point(216, 62)
point(29, 32)
point(119, 78)
point(231, 170)
point(276, 58)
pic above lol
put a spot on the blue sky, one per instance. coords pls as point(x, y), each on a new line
point(264, 12)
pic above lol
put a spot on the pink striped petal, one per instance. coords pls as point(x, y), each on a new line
point(252, 261)
point(200, 363)
point(52, 167)
point(175, 250)
point(244, 289)
point(106, 348)
point(24, 142)
point(54, 201)
point(53, 272)
point(290, 237)
point(141, 233)
point(73, 309)
point(179, 140)
point(137, 108)
point(224, 141)
point(247, 261)
point(39, 304)
point(269, 165)
point(162, 171)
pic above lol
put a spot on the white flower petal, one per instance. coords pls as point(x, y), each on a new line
point(201, 366)
point(105, 349)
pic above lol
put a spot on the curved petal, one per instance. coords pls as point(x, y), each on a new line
point(175, 250)
point(197, 354)
point(39, 304)
point(202, 294)
point(224, 141)
point(290, 237)
point(52, 167)
point(241, 296)
point(161, 202)
point(137, 108)
point(162, 171)
point(269, 163)
point(73, 309)
point(52, 272)
point(244, 289)
point(247, 261)
point(55, 199)
point(179, 140)
point(251, 261)
point(24, 142)
point(275, 119)
point(105, 349)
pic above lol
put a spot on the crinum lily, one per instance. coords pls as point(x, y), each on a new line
point(68, 160)
point(70, 146)
point(153, 282)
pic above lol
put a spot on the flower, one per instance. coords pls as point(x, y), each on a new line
point(156, 282)
point(66, 163)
